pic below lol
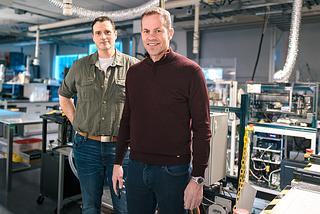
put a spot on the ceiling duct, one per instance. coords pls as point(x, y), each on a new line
point(284, 74)
point(119, 15)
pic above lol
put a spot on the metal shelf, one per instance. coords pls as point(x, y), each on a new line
point(264, 149)
point(269, 138)
point(266, 161)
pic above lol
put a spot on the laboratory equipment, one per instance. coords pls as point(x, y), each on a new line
point(292, 103)
point(225, 93)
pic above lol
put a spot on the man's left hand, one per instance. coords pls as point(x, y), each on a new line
point(193, 195)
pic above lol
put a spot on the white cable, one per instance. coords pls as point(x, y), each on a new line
point(265, 151)
point(73, 168)
point(254, 167)
point(255, 175)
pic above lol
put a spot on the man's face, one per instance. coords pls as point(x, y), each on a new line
point(155, 36)
point(104, 36)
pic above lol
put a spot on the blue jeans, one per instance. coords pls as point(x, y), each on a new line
point(150, 187)
point(94, 164)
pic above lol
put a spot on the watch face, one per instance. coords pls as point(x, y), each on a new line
point(200, 180)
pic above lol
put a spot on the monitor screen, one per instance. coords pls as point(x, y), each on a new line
point(212, 74)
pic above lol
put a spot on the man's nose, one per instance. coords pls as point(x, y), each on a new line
point(151, 35)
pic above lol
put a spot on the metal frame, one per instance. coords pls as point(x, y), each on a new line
point(243, 114)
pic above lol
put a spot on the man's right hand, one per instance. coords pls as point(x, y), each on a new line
point(117, 175)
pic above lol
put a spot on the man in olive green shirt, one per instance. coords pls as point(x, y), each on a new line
point(99, 82)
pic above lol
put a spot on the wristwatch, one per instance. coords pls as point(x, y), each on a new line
point(199, 180)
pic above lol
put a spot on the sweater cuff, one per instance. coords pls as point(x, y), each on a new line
point(198, 170)
point(118, 161)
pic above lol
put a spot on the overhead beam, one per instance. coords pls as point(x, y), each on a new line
point(6, 3)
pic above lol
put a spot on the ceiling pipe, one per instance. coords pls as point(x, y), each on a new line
point(36, 60)
point(58, 24)
point(178, 3)
point(196, 33)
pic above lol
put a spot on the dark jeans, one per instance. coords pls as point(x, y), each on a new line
point(150, 187)
point(94, 162)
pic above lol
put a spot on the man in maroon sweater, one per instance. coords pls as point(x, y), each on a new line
point(166, 100)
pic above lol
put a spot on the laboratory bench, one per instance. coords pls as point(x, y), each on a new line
point(10, 120)
point(37, 107)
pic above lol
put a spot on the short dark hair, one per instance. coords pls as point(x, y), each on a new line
point(103, 19)
point(162, 12)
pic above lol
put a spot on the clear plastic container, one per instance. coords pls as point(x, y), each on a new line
point(21, 145)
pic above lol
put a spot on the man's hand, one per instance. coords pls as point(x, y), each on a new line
point(193, 195)
point(117, 175)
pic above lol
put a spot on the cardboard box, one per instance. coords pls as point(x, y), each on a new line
point(31, 161)
point(31, 154)
point(23, 79)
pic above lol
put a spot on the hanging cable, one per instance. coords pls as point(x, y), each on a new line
point(261, 39)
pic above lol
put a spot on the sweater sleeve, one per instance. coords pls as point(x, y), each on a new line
point(124, 132)
point(200, 116)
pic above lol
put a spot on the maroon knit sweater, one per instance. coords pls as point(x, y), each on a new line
point(165, 100)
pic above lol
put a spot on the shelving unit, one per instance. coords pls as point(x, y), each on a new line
point(266, 156)
point(268, 141)
point(266, 161)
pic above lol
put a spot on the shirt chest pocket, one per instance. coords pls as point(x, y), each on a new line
point(120, 90)
point(87, 90)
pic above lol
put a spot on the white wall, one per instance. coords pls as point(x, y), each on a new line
point(242, 45)
point(309, 47)
point(179, 42)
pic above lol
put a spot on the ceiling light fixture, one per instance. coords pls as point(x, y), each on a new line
point(67, 7)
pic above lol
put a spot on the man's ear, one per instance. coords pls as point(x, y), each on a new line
point(171, 33)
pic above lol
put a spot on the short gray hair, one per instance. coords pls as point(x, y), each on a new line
point(162, 12)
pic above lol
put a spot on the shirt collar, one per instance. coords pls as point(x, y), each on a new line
point(166, 56)
point(116, 62)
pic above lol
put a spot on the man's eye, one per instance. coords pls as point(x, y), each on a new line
point(146, 31)
point(158, 31)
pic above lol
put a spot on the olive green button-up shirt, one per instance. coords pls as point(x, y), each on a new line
point(101, 97)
